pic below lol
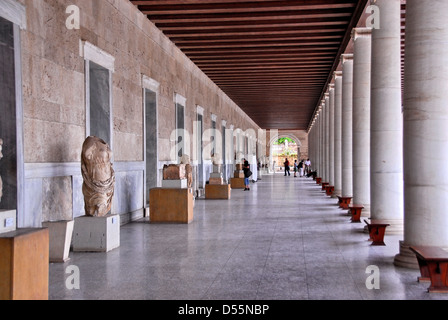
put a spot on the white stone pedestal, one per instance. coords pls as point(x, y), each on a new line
point(60, 233)
point(96, 234)
point(175, 184)
point(8, 221)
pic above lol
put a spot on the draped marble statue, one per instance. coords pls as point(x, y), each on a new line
point(99, 177)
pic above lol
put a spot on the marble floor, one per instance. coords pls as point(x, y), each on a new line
point(283, 240)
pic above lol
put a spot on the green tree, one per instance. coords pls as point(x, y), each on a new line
point(283, 140)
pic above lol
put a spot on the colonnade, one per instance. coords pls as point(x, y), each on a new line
point(384, 147)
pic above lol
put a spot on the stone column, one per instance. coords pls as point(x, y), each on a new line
point(425, 127)
point(327, 137)
point(319, 142)
point(347, 124)
point(337, 133)
point(321, 135)
point(331, 136)
point(324, 141)
point(361, 117)
point(386, 175)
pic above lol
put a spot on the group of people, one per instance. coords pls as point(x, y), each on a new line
point(302, 168)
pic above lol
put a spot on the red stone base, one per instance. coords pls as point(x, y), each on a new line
point(356, 211)
point(344, 202)
point(329, 190)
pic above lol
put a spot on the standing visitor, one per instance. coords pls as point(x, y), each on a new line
point(296, 168)
point(287, 172)
point(308, 166)
point(301, 168)
point(247, 174)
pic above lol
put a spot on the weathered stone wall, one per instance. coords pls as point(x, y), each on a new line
point(54, 105)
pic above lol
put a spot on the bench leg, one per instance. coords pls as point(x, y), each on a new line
point(438, 275)
point(356, 215)
point(377, 235)
point(424, 271)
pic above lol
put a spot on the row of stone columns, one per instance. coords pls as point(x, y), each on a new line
point(390, 159)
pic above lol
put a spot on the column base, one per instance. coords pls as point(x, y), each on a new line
point(336, 194)
point(406, 258)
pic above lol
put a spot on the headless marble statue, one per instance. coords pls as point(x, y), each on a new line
point(99, 177)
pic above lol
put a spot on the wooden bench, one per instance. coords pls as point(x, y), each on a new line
point(433, 263)
point(377, 230)
point(344, 202)
point(355, 211)
point(329, 190)
point(324, 185)
point(318, 180)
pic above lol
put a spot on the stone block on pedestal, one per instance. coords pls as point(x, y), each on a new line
point(96, 234)
point(61, 233)
point(24, 266)
point(237, 183)
point(218, 192)
point(171, 205)
point(175, 172)
point(8, 221)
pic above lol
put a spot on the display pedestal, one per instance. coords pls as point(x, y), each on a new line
point(96, 234)
point(171, 206)
point(237, 183)
point(218, 192)
point(8, 221)
point(61, 233)
point(24, 267)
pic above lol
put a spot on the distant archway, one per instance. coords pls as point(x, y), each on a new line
point(277, 161)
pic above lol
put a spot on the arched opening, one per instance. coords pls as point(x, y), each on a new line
point(283, 146)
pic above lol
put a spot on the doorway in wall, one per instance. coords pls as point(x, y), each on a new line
point(151, 141)
point(8, 118)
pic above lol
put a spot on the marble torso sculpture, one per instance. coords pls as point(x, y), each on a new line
point(189, 169)
point(1, 182)
point(99, 177)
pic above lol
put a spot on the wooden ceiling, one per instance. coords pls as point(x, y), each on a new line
point(272, 58)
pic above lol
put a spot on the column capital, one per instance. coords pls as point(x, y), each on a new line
point(361, 32)
point(337, 74)
point(346, 57)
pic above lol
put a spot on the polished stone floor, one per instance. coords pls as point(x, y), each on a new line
point(283, 240)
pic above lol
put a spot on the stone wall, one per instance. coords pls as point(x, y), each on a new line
point(54, 102)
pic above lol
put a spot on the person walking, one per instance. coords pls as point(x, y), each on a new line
point(247, 174)
point(287, 168)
